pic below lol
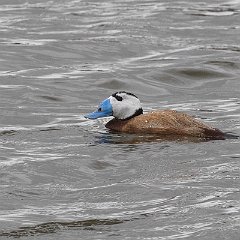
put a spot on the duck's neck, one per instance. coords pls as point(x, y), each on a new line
point(119, 125)
point(137, 113)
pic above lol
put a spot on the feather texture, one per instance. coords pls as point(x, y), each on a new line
point(166, 122)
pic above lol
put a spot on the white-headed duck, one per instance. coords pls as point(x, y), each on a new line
point(128, 116)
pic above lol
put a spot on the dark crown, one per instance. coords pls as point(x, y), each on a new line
point(119, 98)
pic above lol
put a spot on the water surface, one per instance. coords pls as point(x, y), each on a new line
point(65, 177)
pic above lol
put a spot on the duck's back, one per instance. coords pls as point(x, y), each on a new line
point(167, 122)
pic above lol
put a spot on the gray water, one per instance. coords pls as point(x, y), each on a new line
point(65, 177)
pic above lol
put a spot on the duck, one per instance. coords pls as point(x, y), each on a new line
point(128, 117)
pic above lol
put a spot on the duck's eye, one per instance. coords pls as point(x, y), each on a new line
point(115, 95)
point(100, 109)
point(119, 98)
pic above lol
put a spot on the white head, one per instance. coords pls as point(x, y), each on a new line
point(122, 105)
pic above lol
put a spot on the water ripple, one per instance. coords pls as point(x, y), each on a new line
point(67, 176)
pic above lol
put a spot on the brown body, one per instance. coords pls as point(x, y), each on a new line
point(166, 123)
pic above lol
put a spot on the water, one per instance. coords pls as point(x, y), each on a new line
point(65, 177)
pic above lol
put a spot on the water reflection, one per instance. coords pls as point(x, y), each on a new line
point(122, 138)
point(53, 227)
